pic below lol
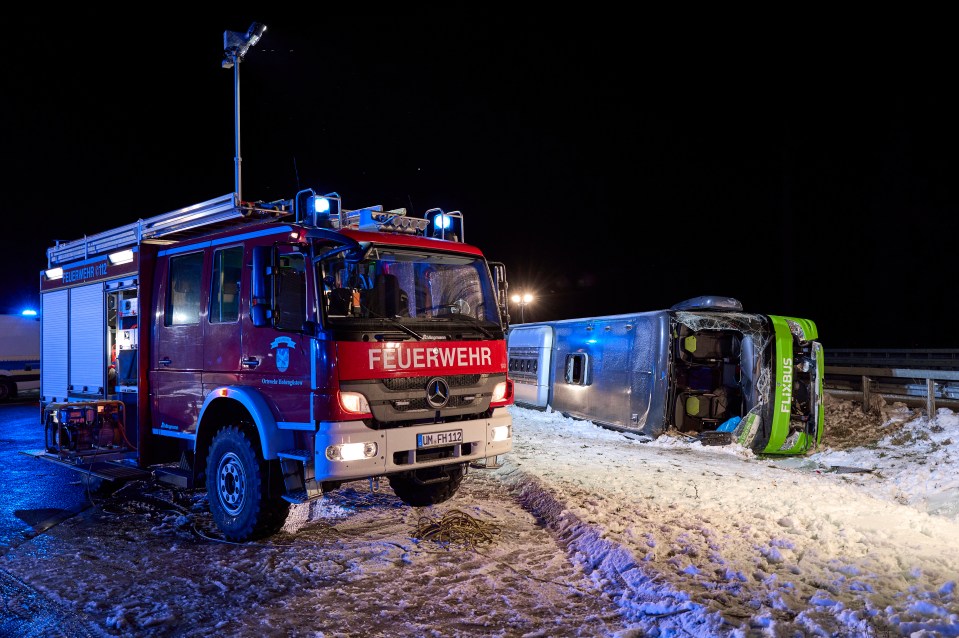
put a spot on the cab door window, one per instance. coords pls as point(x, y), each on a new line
point(225, 287)
point(183, 290)
point(290, 292)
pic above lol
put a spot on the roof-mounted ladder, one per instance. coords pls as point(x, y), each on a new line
point(178, 221)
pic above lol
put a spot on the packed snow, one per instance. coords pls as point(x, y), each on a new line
point(581, 531)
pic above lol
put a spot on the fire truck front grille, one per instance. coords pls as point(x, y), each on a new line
point(400, 402)
point(402, 384)
point(421, 404)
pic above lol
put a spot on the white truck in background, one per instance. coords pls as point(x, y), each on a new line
point(19, 356)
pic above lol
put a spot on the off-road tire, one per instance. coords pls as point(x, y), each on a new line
point(238, 490)
point(411, 489)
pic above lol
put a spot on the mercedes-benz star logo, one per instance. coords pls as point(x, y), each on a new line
point(437, 392)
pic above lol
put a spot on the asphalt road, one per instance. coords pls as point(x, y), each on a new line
point(35, 494)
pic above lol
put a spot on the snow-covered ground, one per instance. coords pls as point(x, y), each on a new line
point(582, 531)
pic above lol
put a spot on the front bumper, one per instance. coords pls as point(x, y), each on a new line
point(397, 449)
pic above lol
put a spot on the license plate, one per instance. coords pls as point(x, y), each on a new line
point(433, 439)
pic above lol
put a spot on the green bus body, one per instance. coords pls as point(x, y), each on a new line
point(781, 419)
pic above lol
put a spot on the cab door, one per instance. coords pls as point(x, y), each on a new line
point(223, 329)
point(277, 354)
point(182, 285)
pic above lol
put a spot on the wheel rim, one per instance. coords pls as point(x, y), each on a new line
point(231, 483)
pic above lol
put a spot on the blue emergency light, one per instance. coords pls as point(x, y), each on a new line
point(445, 225)
point(316, 209)
point(321, 205)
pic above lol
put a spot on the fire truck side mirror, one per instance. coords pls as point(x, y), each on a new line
point(261, 303)
point(498, 270)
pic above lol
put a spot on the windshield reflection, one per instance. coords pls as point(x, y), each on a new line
point(404, 284)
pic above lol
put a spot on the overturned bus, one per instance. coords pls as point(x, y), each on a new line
point(703, 368)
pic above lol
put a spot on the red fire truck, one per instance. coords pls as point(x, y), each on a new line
point(272, 351)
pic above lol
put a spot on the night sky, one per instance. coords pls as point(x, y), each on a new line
point(613, 165)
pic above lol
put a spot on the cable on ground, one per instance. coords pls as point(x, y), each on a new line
point(456, 530)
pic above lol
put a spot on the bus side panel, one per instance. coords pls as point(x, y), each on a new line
point(650, 373)
point(613, 370)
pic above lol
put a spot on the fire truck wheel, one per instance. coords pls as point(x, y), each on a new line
point(428, 486)
point(237, 489)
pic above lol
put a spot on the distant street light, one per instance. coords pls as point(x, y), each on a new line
point(235, 46)
point(522, 300)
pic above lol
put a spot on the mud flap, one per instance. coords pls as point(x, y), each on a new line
point(489, 463)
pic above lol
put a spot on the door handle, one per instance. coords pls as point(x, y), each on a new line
point(165, 361)
point(250, 362)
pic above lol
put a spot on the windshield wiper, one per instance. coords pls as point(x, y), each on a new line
point(473, 321)
point(394, 322)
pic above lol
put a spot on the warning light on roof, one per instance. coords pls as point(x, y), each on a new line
point(316, 209)
point(445, 225)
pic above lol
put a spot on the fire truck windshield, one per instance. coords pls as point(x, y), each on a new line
point(408, 285)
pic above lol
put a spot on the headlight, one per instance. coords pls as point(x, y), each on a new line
point(797, 330)
point(354, 402)
point(352, 451)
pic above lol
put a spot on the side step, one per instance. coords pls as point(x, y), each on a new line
point(299, 477)
point(176, 476)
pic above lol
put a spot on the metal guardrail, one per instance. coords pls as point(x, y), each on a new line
point(946, 358)
point(914, 377)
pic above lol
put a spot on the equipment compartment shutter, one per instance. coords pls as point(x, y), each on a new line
point(53, 354)
point(88, 360)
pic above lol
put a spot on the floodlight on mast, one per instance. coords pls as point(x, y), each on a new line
point(235, 47)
